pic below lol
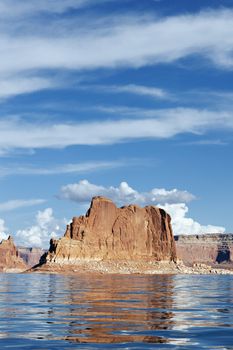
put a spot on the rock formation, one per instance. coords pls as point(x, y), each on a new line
point(10, 260)
point(208, 248)
point(31, 256)
point(108, 233)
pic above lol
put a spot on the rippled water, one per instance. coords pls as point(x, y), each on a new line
point(122, 312)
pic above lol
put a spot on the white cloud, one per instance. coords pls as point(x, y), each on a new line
point(63, 169)
point(38, 235)
point(84, 191)
point(20, 203)
point(3, 230)
point(182, 224)
point(173, 201)
point(167, 123)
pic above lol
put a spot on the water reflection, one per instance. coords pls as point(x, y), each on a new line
point(119, 309)
point(193, 312)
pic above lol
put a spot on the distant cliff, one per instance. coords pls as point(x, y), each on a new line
point(31, 256)
point(10, 260)
point(208, 248)
point(130, 233)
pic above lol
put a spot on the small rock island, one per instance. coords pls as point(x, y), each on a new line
point(109, 239)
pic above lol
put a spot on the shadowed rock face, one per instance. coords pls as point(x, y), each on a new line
point(111, 233)
point(9, 257)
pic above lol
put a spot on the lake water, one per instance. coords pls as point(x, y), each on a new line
point(116, 312)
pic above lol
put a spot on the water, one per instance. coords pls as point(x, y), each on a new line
point(116, 312)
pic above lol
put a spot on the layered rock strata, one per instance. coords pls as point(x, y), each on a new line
point(108, 233)
point(10, 260)
point(208, 248)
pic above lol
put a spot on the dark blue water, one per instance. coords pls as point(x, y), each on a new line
point(116, 312)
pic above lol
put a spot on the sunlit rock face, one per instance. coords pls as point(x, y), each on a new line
point(9, 257)
point(110, 233)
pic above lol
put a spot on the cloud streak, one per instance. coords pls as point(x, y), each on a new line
point(129, 41)
point(78, 168)
point(140, 90)
point(18, 85)
point(20, 203)
point(167, 123)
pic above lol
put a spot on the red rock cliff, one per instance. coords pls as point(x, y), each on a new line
point(9, 257)
point(111, 233)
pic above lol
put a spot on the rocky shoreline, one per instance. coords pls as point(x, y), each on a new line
point(129, 267)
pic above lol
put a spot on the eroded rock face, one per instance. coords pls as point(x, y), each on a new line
point(9, 257)
point(111, 233)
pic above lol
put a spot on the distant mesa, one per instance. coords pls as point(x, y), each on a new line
point(10, 261)
point(108, 233)
point(207, 248)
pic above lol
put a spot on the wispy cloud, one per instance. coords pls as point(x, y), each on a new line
point(207, 142)
point(167, 123)
point(141, 90)
point(20, 203)
point(130, 41)
point(78, 168)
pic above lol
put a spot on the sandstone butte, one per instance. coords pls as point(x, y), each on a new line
point(111, 234)
point(10, 260)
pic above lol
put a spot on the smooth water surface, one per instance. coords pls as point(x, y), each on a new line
point(121, 312)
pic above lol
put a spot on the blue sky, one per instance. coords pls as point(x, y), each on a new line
point(127, 99)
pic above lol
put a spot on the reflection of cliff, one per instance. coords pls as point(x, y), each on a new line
point(209, 248)
point(120, 309)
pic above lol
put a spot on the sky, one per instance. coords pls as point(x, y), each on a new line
point(127, 99)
